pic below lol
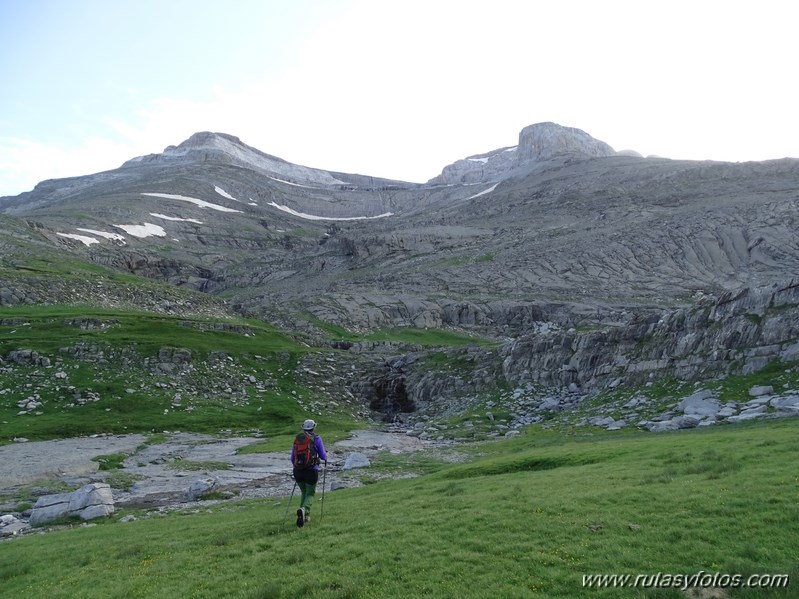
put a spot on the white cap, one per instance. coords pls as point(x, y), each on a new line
point(308, 425)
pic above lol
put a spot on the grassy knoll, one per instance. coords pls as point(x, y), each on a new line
point(526, 517)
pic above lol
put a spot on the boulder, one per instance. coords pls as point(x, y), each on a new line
point(789, 403)
point(550, 403)
point(701, 403)
point(749, 414)
point(601, 420)
point(88, 502)
point(660, 427)
point(687, 421)
point(201, 487)
point(356, 460)
point(759, 390)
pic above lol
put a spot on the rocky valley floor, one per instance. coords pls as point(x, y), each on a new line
point(179, 470)
point(174, 473)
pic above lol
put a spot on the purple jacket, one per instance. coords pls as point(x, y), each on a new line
point(320, 451)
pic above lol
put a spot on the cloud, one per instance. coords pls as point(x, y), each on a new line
point(450, 79)
point(24, 162)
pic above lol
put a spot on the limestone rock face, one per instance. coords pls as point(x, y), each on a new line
point(480, 167)
point(543, 141)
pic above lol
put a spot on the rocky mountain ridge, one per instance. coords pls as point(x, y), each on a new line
point(228, 149)
point(582, 263)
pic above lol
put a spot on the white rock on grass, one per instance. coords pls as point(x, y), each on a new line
point(356, 460)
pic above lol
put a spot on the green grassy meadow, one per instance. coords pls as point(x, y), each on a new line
point(242, 376)
point(112, 353)
point(525, 517)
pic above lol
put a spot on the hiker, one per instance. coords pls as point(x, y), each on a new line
point(306, 452)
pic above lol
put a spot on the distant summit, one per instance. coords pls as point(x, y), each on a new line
point(206, 145)
point(221, 148)
point(537, 143)
point(225, 149)
point(543, 141)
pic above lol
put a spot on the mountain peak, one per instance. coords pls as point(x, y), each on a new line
point(222, 148)
point(210, 146)
point(205, 137)
point(543, 141)
point(207, 140)
point(537, 143)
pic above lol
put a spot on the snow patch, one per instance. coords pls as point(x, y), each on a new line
point(87, 241)
point(312, 217)
point(114, 236)
point(489, 190)
point(176, 218)
point(200, 203)
point(224, 194)
point(142, 231)
point(290, 183)
point(483, 160)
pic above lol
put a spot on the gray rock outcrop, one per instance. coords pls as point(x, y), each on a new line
point(479, 168)
point(90, 501)
point(738, 333)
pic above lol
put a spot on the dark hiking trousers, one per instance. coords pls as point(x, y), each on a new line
point(306, 481)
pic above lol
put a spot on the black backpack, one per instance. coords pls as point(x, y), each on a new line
point(305, 454)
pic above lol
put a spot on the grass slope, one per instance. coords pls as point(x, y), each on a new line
point(527, 517)
point(114, 371)
point(241, 374)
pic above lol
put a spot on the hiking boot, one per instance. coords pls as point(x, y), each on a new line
point(300, 517)
point(307, 517)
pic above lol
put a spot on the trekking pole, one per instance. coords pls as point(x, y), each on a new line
point(324, 479)
point(287, 506)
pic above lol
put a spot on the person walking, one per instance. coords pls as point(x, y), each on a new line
point(306, 453)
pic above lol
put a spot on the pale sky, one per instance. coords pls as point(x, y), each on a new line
point(395, 89)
